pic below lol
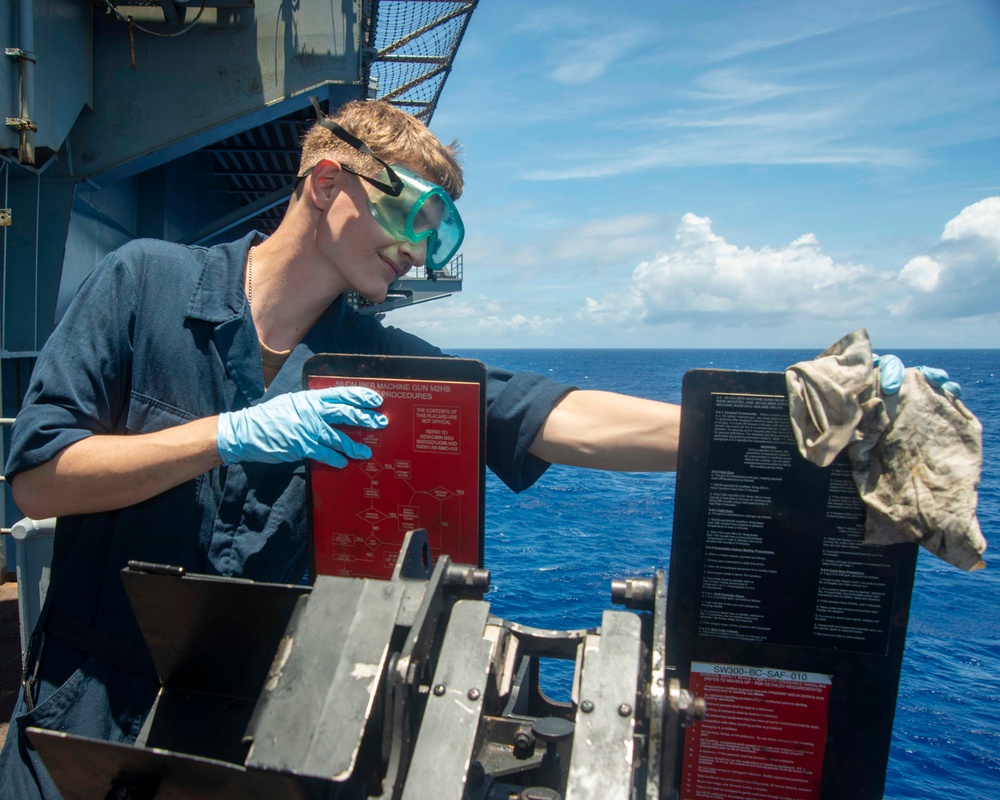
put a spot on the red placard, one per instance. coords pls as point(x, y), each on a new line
point(763, 737)
point(424, 473)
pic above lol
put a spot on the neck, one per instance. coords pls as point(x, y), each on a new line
point(290, 289)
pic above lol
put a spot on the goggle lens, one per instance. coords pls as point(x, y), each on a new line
point(422, 212)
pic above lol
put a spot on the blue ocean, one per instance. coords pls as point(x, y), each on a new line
point(554, 550)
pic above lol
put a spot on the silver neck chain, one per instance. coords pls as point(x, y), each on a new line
point(250, 277)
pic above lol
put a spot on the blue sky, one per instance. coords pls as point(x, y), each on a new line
point(725, 174)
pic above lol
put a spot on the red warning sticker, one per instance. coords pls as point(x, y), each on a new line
point(763, 736)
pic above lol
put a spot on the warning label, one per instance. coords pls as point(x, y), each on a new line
point(763, 737)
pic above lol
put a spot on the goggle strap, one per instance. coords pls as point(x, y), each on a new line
point(395, 186)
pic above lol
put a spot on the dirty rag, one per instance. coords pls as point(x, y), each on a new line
point(916, 456)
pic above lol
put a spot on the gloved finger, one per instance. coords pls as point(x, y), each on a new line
point(334, 441)
point(935, 377)
point(891, 372)
point(329, 457)
point(349, 415)
point(351, 395)
point(939, 379)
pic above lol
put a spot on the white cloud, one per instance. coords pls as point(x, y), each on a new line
point(960, 278)
point(479, 322)
point(587, 58)
point(606, 241)
point(782, 138)
point(519, 324)
point(922, 273)
point(981, 219)
point(581, 43)
point(548, 248)
point(771, 26)
point(701, 289)
point(703, 276)
point(737, 85)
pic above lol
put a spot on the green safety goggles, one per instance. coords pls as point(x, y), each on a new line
point(406, 205)
point(421, 212)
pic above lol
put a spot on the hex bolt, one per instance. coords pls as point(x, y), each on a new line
point(624, 709)
point(524, 741)
point(586, 706)
point(439, 689)
point(473, 694)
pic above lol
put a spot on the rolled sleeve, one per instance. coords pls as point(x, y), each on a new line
point(519, 404)
point(79, 386)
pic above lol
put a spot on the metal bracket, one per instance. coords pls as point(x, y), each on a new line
point(19, 54)
point(21, 123)
point(443, 750)
point(604, 753)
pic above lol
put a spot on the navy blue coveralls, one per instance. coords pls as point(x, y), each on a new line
point(158, 335)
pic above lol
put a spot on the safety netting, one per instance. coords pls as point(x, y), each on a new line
point(409, 48)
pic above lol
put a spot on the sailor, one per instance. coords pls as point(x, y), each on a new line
point(165, 420)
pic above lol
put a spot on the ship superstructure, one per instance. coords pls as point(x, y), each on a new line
point(181, 121)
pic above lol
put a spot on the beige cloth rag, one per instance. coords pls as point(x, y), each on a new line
point(916, 456)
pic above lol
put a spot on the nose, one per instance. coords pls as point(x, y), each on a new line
point(415, 253)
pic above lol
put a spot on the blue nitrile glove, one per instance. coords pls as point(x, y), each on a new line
point(295, 426)
point(891, 372)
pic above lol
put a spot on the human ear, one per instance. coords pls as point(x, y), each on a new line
point(324, 181)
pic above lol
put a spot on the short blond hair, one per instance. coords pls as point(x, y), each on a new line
point(392, 135)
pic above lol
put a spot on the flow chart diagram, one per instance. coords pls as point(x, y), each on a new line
point(424, 473)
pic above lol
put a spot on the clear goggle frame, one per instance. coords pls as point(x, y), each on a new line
point(406, 205)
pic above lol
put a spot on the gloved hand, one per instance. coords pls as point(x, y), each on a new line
point(891, 373)
point(295, 426)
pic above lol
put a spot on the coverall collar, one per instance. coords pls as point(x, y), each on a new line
point(219, 296)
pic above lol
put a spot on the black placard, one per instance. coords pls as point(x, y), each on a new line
point(777, 611)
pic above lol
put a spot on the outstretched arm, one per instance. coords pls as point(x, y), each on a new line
point(609, 431)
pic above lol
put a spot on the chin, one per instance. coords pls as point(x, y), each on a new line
point(377, 296)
